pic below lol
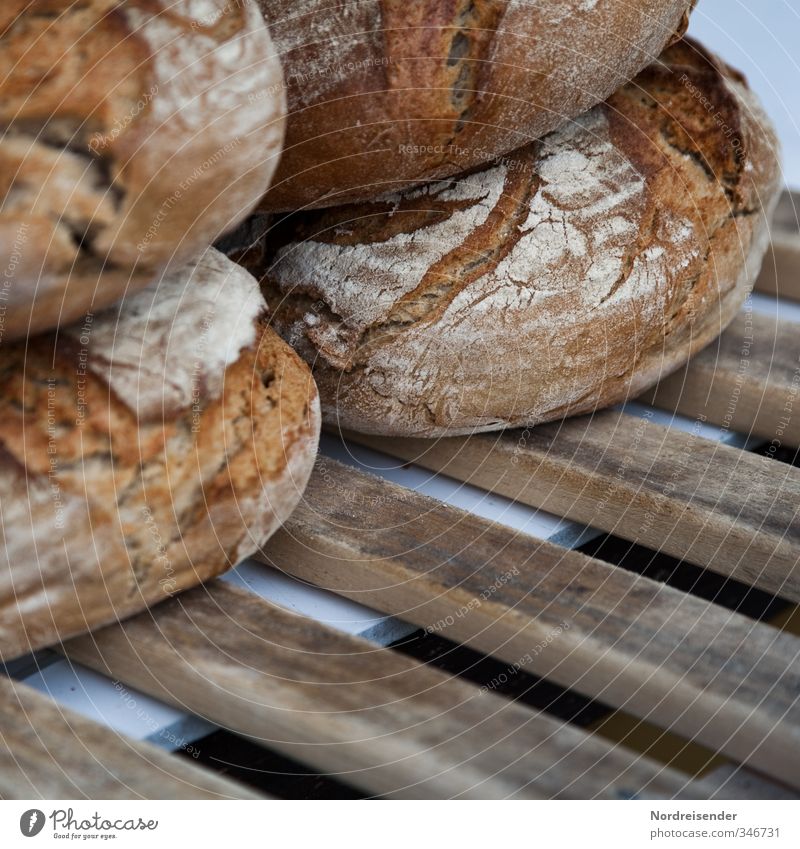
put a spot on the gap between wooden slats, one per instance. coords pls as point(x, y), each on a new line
point(660, 654)
point(373, 717)
point(47, 752)
point(716, 506)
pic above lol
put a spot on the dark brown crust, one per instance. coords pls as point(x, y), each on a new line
point(465, 80)
point(148, 508)
point(699, 154)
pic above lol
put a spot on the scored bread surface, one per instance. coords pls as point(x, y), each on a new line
point(383, 94)
point(565, 277)
point(118, 487)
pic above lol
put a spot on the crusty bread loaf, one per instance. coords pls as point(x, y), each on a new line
point(387, 93)
point(143, 450)
point(568, 276)
point(134, 134)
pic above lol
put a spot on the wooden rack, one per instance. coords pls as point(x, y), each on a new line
point(393, 726)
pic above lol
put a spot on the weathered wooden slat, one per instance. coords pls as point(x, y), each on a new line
point(719, 507)
point(787, 214)
point(780, 273)
point(660, 654)
point(732, 782)
point(47, 752)
point(375, 718)
point(748, 381)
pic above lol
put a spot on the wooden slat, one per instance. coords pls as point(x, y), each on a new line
point(780, 273)
point(732, 782)
point(748, 381)
point(662, 655)
point(719, 507)
point(49, 752)
point(374, 717)
point(787, 214)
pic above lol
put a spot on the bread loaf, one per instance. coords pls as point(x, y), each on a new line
point(567, 276)
point(387, 93)
point(134, 134)
point(144, 450)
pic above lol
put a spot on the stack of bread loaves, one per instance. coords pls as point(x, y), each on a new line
point(487, 213)
point(156, 431)
point(557, 260)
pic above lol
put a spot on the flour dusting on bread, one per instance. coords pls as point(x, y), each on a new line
point(583, 269)
point(175, 339)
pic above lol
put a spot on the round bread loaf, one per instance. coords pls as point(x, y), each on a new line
point(144, 450)
point(568, 276)
point(134, 133)
point(384, 94)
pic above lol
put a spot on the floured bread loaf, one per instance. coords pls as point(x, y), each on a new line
point(384, 94)
point(144, 450)
point(569, 276)
point(134, 134)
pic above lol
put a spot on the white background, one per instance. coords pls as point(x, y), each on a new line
point(761, 38)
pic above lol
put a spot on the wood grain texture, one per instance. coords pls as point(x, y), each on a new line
point(734, 782)
point(658, 653)
point(373, 717)
point(780, 273)
point(786, 218)
point(48, 752)
point(747, 381)
point(719, 507)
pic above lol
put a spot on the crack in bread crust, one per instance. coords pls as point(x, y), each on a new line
point(106, 512)
point(387, 94)
point(637, 232)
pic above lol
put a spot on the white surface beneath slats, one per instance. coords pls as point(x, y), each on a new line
point(143, 718)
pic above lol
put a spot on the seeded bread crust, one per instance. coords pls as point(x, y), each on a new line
point(570, 276)
point(114, 495)
point(384, 94)
point(134, 134)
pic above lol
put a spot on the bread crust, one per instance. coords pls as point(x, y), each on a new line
point(118, 487)
point(569, 276)
point(384, 94)
point(134, 134)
